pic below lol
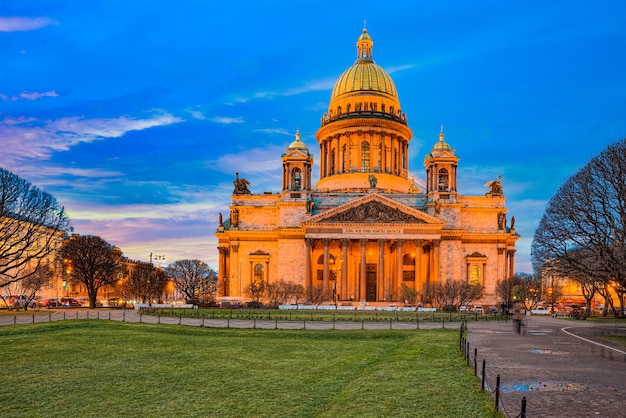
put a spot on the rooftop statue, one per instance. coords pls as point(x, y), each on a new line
point(241, 185)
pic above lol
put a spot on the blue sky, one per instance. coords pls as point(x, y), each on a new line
point(136, 114)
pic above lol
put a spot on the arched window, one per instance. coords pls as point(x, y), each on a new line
point(442, 180)
point(259, 273)
point(365, 156)
point(474, 275)
point(408, 268)
point(296, 179)
point(332, 267)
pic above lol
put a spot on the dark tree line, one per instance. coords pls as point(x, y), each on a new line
point(582, 234)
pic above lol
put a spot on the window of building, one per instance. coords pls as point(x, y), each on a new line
point(296, 179)
point(365, 156)
point(442, 181)
point(474, 276)
point(258, 273)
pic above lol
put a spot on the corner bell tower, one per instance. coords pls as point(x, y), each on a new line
point(441, 171)
point(297, 165)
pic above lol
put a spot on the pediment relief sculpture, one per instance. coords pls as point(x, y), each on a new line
point(373, 212)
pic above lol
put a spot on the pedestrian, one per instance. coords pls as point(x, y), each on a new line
point(518, 319)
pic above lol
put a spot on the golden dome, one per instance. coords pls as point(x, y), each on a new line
point(364, 75)
point(297, 144)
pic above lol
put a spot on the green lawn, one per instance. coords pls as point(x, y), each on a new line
point(92, 368)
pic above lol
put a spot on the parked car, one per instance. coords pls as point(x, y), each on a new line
point(51, 303)
point(120, 303)
point(478, 309)
point(492, 310)
point(21, 301)
point(463, 309)
point(70, 302)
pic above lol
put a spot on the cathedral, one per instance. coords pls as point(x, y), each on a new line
point(365, 228)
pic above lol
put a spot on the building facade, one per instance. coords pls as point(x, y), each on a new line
point(365, 228)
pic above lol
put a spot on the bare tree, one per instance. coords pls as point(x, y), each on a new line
point(256, 290)
point(295, 292)
point(143, 281)
point(194, 279)
point(408, 294)
point(455, 293)
point(33, 283)
point(588, 215)
point(527, 289)
point(318, 294)
point(277, 293)
point(31, 226)
point(92, 261)
point(429, 293)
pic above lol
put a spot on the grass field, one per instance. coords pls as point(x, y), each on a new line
point(92, 368)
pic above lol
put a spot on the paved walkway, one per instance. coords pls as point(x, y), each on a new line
point(561, 366)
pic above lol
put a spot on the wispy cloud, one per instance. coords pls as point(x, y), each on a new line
point(315, 85)
point(266, 160)
point(279, 131)
point(17, 24)
point(399, 68)
point(33, 138)
point(226, 120)
point(28, 96)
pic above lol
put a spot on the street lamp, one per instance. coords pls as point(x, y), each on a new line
point(159, 259)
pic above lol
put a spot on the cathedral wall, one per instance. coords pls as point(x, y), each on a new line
point(292, 215)
point(452, 216)
point(479, 220)
point(258, 218)
point(492, 272)
point(291, 261)
point(242, 264)
point(451, 261)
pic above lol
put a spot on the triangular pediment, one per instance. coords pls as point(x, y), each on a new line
point(296, 153)
point(374, 209)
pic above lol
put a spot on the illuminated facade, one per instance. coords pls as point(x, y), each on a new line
point(366, 228)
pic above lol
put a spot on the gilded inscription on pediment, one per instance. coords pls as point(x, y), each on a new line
point(373, 212)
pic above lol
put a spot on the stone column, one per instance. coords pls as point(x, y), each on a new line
point(308, 242)
point(511, 262)
point(235, 249)
point(343, 289)
point(381, 267)
point(418, 264)
point(399, 269)
point(436, 261)
point(326, 276)
point(362, 284)
point(501, 263)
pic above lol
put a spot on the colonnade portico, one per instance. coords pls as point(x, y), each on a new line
point(370, 268)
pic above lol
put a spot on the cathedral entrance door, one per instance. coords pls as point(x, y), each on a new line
point(370, 282)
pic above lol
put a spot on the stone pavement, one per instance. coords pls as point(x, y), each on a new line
point(561, 366)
